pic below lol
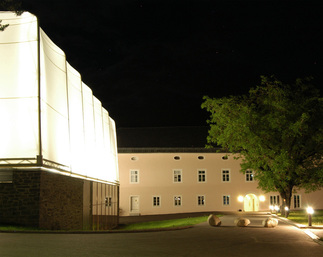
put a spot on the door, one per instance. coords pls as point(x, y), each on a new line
point(134, 203)
point(251, 203)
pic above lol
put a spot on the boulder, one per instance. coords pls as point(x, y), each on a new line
point(214, 221)
point(270, 223)
point(242, 222)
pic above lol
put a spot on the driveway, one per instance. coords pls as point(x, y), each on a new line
point(201, 240)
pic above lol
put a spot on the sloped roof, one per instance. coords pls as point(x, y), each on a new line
point(162, 137)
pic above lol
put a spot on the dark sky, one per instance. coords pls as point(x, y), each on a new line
point(150, 62)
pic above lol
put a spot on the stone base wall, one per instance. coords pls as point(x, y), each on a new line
point(53, 201)
point(19, 201)
point(61, 202)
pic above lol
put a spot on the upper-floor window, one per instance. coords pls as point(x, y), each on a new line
point(134, 176)
point(249, 175)
point(225, 175)
point(200, 157)
point(177, 176)
point(177, 158)
point(201, 175)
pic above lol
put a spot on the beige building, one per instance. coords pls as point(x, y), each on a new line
point(172, 180)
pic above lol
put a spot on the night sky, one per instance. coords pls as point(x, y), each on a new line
point(150, 62)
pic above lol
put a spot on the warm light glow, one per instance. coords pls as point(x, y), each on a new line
point(310, 210)
point(75, 131)
point(240, 198)
point(271, 207)
point(276, 208)
point(262, 198)
point(286, 208)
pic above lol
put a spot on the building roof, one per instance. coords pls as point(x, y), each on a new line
point(162, 137)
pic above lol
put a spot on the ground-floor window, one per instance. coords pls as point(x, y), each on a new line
point(178, 200)
point(156, 201)
point(226, 199)
point(297, 201)
point(108, 201)
point(201, 200)
point(274, 200)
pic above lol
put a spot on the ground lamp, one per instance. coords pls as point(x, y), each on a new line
point(310, 211)
point(286, 211)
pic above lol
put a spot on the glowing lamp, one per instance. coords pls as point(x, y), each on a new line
point(262, 198)
point(240, 198)
point(310, 210)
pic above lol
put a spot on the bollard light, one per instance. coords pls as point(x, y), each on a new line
point(310, 211)
point(286, 211)
point(276, 208)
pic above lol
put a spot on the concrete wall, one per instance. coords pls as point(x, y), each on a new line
point(156, 179)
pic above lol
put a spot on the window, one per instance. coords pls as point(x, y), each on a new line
point(177, 176)
point(201, 200)
point(225, 157)
point(134, 158)
point(201, 175)
point(297, 201)
point(156, 201)
point(249, 175)
point(274, 200)
point(6, 176)
point(226, 200)
point(134, 176)
point(200, 157)
point(225, 175)
point(177, 200)
point(177, 158)
point(108, 201)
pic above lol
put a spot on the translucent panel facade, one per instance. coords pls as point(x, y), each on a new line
point(49, 116)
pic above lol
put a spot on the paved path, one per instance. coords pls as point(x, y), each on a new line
point(202, 240)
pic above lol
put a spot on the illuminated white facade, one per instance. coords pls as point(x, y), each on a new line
point(157, 181)
point(49, 117)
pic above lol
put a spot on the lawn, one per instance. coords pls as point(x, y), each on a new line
point(164, 224)
point(175, 223)
point(301, 217)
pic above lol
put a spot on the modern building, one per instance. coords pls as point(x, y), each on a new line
point(58, 151)
point(161, 180)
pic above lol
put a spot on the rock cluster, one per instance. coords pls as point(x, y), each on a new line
point(270, 223)
point(214, 221)
point(242, 222)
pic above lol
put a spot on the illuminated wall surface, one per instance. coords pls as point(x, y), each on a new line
point(73, 132)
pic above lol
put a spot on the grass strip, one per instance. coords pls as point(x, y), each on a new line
point(301, 217)
point(174, 223)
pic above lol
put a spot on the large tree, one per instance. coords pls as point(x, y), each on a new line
point(10, 5)
point(277, 132)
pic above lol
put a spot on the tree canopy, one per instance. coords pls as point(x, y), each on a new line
point(10, 5)
point(277, 132)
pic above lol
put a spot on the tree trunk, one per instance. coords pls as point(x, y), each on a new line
point(286, 196)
